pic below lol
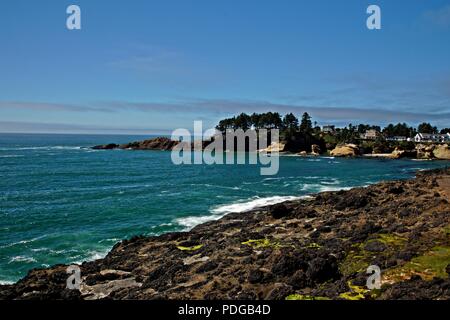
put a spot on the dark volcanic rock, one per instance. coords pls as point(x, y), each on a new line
point(375, 246)
point(106, 146)
point(323, 269)
point(279, 211)
point(255, 276)
point(160, 143)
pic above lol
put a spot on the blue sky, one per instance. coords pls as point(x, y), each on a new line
point(153, 66)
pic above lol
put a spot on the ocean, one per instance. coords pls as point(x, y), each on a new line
point(61, 202)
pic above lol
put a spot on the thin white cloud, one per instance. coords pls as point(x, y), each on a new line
point(49, 106)
point(439, 17)
point(215, 109)
point(65, 128)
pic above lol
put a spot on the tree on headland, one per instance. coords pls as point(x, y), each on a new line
point(268, 120)
point(306, 124)
point(445, 130)
point(362, 128)
point(243, 121)
point(400, 129)
point(426, 128)
point(290, 121)
point(256, 120)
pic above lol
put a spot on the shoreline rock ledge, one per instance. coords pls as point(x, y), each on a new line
point(159, 143)
point(315, 248)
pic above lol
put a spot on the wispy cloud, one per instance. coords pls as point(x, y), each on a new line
point(211, 110)
point(149, 59)
point(65, 128)
point(49, 106)
point(439, 17)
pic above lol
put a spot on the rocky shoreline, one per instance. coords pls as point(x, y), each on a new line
point(310, 249)
point(421, 151)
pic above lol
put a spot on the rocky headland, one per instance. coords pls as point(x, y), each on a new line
point(159, 143)
point(311, 249)
point(303, 146)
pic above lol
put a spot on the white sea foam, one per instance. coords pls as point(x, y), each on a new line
point(5, 282)
point(329, 188)
point(20, 242)
point(268, 179)
point(97, 255)
point(93, 255)
point(322, 188)
point(220, 211)
point(11, 156)
point(22, 259)
point(332, 182)
point(190, 222)
point(42, 148)
point(249, 205)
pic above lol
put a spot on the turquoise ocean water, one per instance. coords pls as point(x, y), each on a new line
point(61, 202)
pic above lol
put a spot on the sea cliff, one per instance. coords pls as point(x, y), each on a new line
point(315, 248)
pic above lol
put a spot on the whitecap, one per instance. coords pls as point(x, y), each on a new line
point(22, 259)
point(11, 156)
point(322, 188)
point(190, 222)
point(20, 242)
point(220, 211)
point(93, 255)
point(252, 204)
point(329, 188)
point(332, 182)
point(44, 148)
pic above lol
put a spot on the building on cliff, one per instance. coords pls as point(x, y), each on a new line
point(431, 137)
point(371, 134)
point(397, 138)
point(329, 129)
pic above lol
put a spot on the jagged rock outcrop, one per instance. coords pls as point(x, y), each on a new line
point(274, 147)
point(425, 151)
point(397, 153)
point(315, 150)
point(442, 152)
point(346, 150)
point(316, 248)
point(109, 146)
point(400, 153)
point(433, 151)
point(159, 143)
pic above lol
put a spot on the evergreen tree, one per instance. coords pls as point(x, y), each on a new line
point(290, 121)
point(426, 128)
point(306, 124)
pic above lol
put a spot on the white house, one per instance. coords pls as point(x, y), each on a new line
point(328, 129)
point(397, 138)
point(432, 137)
point(371, 134)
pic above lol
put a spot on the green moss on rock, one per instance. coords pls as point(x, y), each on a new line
point(358, 259)
point(429, 265)
point(261, 243)
point(304, 297)
point(193, 248)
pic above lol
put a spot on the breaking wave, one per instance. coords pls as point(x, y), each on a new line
point(239, 207)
